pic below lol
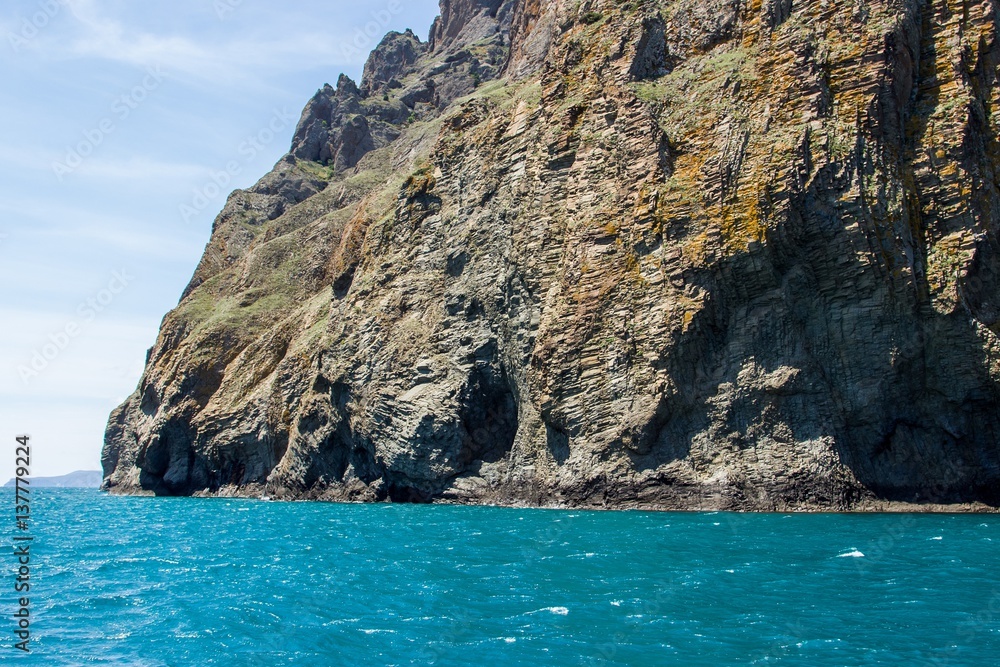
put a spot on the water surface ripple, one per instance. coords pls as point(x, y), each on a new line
point(177, 581)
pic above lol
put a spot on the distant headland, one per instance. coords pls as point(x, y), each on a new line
point(81, 479)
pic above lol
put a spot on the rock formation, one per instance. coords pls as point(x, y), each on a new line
point(645, 253)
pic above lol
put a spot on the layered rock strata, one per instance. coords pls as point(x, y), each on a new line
point(714, 254)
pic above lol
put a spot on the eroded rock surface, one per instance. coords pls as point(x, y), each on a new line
point(665, 254)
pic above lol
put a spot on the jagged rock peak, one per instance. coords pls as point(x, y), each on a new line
point(467, 21)
point(333, 129)
point(405, 80)
point(390, 61)
point(345, 86)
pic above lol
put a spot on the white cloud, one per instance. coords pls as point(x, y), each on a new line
point(106, 169)
point(241, 62)
point(137, 243)
point(24, 158)
point(62, 223)
point(66, 407)
point(139, 169)
point(66, 435)
point(101, 360)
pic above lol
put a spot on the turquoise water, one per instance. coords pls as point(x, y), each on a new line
point(139, 581)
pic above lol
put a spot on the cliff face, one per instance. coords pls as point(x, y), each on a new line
point(676, 253)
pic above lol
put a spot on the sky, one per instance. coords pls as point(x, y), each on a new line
point(123, 128)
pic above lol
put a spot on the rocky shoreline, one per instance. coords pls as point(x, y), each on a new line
point(866, 505)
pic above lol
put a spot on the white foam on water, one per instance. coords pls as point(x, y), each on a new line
point(852, 554)
point(939, 537)
point(510, 640)
point(616, 603)
point(561, 611)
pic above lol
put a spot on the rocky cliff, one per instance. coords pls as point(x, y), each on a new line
point(661, 253)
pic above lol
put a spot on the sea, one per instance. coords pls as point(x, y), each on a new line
point(154, 582)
